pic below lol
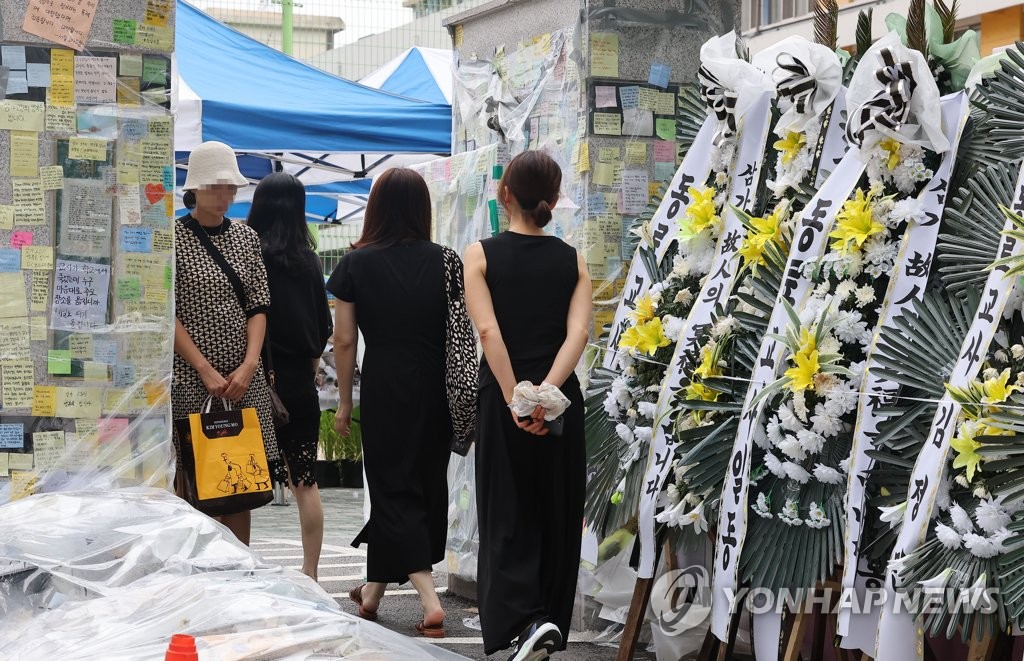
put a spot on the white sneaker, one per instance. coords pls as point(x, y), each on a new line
point(542, 639)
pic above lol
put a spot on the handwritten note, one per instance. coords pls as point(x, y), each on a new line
point(129, 92)
point(86, 217)
point(52, 177)
point(38, 258)
point(95, 79)
point(634, 191)
point(130, 64)
point(10, 260)
point(630, 96)
point(666, 104)
point(6, 217)
point(79, 295)
point(14, 339)
point(29, 203)
point(79, 402)
point(38, 74)
point(604, 55)
point(659, 74)
point(13, 57)
point(70, 26)
point(155, 38)
point(604, 174)
point(60, 120)
point(40, 293)
point(607, 123)
point(12, 436)
point(4, 464)
point(87, 149)
point(12, 303)
point(21, 238)
point(48, 448)
point(62, 78)
point(22, 115)
point(163, 241)
point(665, 128)
point(80, 345)
point(664, 151)
point(18, 377)
point(104, 351)
point(124, 31)
point(604, 96)
point(24, 154)
point(129, 206)
point(44, 401)
point(636, 153)
point(136, 239)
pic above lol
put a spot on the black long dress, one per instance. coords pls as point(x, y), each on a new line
point(400, 306)
point(530, 489)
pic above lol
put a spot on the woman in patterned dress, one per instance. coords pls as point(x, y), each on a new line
point(217, 340)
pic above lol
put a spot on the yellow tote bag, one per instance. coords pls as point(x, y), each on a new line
point(229, 471)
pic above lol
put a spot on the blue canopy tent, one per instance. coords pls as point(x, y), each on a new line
point(281, 114)
point(418, 73)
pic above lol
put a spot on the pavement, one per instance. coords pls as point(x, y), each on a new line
point(276, 537)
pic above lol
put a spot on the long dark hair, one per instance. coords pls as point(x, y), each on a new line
point(278, 215)
point(534, 179)
point(398, 210)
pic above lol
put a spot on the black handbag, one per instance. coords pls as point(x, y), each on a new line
point(461, 361)
point(278, 411)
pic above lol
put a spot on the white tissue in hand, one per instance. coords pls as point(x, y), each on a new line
point(526, 397)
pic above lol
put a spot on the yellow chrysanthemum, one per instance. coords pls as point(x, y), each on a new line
point(759, 234)
point(701, 214)
point(790, 146)
point(646, 338)
point(855, 223)
point(892, 148)
point(802, 374)
point(996, 390)
point(644, 310)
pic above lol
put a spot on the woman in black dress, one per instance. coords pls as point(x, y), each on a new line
point(392, 285)
point(298, 326)
point(529, 295)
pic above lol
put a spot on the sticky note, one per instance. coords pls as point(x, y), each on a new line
point(630, 96)
point(62, 78)
point(23, 482)
point(124, 376)
point(95, 79)
point(17, 377)
point(21, 238)
point(136, 239)
point(129, 92)
point(665, 128)
point(12, 436)
point(664, 151)
point(154, 71)
point(664, 171)
point(87, 149)
point(13, 303)
point(37, 258)
point(20, 461)
point(29, 203)
point(659, 75)
point(40, 292)
point(13, 57)
point(37, 328)
point(129, 205)
point(128, 289)
point(130, 64)
point(38, 75)
point(124, 31)
point(22, 115)
point(163, 241)
point(79, 295)
point(606, 123)
point(48, 448)
point(665, 104)
point(93, 371)
point(104, 351)
point(17, 83)
point(159, 128)
point(44, 401)
point(58, 361)
point(636, 153)
point(603, 174)
point(24, 154)
point(79, 402)
point(60, 120)
point(637, 122)
point(157, 12)
point(6, 217)
point(604, 96)
point(604, 55)
point(80, 345)
point(70, 26)
point(51, 177)
point(4, 464)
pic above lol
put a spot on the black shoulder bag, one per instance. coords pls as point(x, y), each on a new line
point(461, 363)
point(277, 408)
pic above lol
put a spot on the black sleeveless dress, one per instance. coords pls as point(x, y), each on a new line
point(530, 489)
point(401, 308)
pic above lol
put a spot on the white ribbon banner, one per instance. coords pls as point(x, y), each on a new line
point(834, 147)
point(898, 636)
point(908, 284)
point(809, 243)
point(693, 171)
point(716, 290)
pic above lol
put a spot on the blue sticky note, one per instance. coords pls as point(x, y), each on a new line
point(664, 171)
point(10, 260)
point(659, 75)
point(12, 436)
point(136, 239)
point(104, 351)
point(596, 205)
point(124, 376)
point(133, 129)
point(629, 96)
point(168, 177)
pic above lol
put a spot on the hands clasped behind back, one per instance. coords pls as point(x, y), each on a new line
point(532, 405)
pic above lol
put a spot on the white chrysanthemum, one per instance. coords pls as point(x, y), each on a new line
point(624, 432)
point(829, 345)
point(844, 465)
point(942, 500)
point(1001, 356)
point(877, 250)
point(850, 326)
point(874, 270)
point(800, 406)
point(961, 520)
point(980, 546)
point(672, 327)
point(841, 398)
point(679, 471)
point(775, 430)
point(991, 516)
point(646, 409)
point(981, 492)
point(791, 513)
point(908, 209)
point(761, 507)
point(796, 472)
point(680, 270)
point(702, 251)
point(1013, 301)
point(845, 289)
point(761, 438)
point(672, 494)
point(684, 296)
point(790, 447)
point(721, 178)
point(643, 433)
point(773, 464)
point(811, 442)
point(825, 424)
point(990, 374)
point(611, 405)
point(632, 414)
point(948, 537)
point(865, 295)
point(789, 420)
point(1017, 351)
point(817, 517)
point(849, 265)
point(827, 475)
point(723, 327)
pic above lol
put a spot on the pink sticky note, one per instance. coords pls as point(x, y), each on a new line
point(604, 96)
point(664, 151)
point(111, 429)
point(21, 238)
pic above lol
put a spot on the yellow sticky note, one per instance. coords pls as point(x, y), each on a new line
point(48, 448)
point(4, 464)
point(665, 104)
point(609, 155)
point(22, 115)
point(37, 328)
point(129, 92)
point(130, 65)
point(24, 154)
point(44, 401)
point(29, 203)
point(13, 303)
point(79, 402)
point(88, 149)
point(459, 36)
point(80, 345)
point(20, 461)
point(163, 241)
point(160, 128)
point(62, 78)
point(154, 38)
point(61, 120)
point(23, 484)
point(6, 217)
point(583, 160)
point(18, 378)
point(40, 292)
point(636, 153)
point(607, 123)
point(604, 55)
point(94, 371)
point(648, 99)
point(603, 174)
point(52, 177)
point(37, 258)
point(14, 342)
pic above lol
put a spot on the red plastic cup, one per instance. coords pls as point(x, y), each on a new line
point(182, 648)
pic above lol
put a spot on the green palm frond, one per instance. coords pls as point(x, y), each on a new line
point(916, 37)
point(864, 37)
point(999, 137)
point(973, 221)
point(1014, 263)
point(948, 16)
point(604, 449)
point(826, 20)
point(692, 112)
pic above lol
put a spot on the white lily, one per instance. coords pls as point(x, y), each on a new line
point(893, 515)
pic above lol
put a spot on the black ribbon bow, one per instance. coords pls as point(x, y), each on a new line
point(799, 86)
point(720, 101)
point(890, 106)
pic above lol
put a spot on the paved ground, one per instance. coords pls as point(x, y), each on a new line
point(275, 535)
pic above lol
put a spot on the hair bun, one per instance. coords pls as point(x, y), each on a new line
point(541, 213)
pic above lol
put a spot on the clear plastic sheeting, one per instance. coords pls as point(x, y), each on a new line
point(114, 574)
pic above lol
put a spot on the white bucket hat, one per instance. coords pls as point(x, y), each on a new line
point(212, 163)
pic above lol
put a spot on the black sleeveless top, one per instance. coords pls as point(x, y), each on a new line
point(531, 280)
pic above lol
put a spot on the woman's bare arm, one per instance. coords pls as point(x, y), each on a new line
point(577, 328)
point(346, 336)
point(481, 311)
